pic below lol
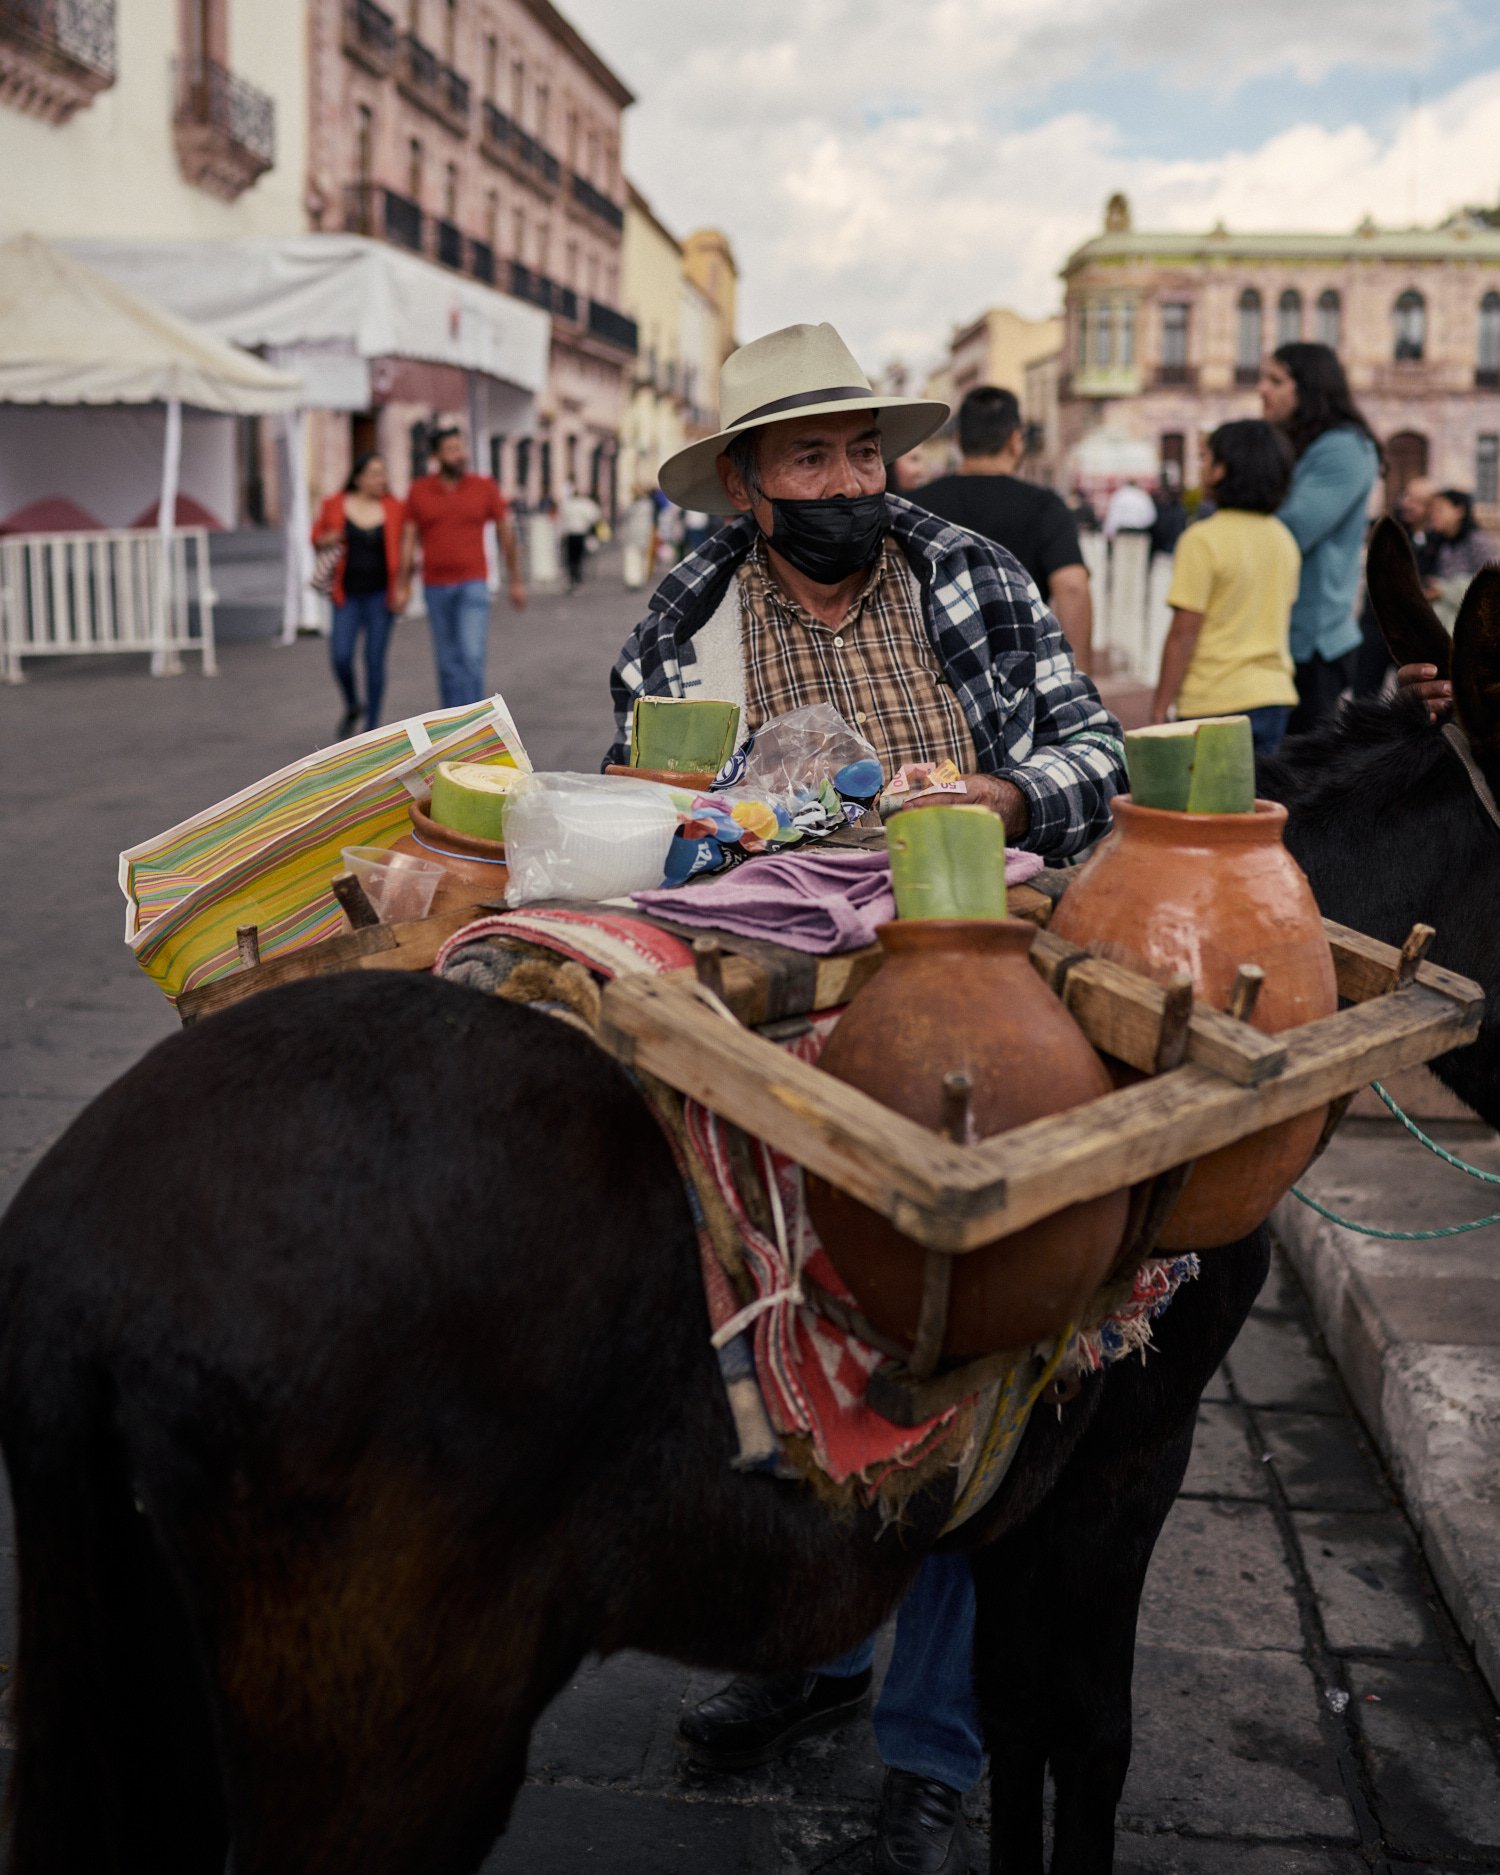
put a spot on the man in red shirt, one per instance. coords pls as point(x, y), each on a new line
point(446, 514)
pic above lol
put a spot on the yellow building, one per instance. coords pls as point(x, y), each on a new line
point(708, 262)
point(653, 293)
point(682, 296)
point(996, 348)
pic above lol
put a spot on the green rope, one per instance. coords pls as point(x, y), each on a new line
point(1448, 1158)
point(1393, 1236)
point(1410, 1236)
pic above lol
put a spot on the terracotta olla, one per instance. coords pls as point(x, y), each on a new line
point(1205, 893)
point(476, 868)
point(959, 994)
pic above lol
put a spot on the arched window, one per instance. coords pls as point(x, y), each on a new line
point(1247, 338)
point(1330, 319)
point(1409, 321)
point(1289, 317)
point(1104, 333)
point(1489, 339)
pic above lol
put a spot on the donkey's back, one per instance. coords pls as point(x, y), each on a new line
point(320, 1326)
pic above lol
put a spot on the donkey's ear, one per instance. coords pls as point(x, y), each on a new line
point(1408, 624)
point(1476, 661)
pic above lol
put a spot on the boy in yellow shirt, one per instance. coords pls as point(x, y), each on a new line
point(1234, 582)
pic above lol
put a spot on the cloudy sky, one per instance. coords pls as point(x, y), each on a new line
point(898, 165)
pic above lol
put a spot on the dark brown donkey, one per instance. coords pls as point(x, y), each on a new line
point(355, 1385)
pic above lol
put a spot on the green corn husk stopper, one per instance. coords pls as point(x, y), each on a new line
point(1203, 767)
point(947, 862)
point(676, 735)
point(470, 797)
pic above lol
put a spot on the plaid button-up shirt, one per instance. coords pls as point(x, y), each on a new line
point(1035, 718)
point(875, 666)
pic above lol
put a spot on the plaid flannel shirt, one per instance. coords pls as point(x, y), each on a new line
point(1036, 719)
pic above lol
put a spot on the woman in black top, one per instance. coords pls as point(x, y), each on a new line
point(365, 519)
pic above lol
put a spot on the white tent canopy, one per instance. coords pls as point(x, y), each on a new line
point(335, 290)
point(68, 335)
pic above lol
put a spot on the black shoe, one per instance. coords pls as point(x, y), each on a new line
point(751, 1722)
point(921, 1827)
point(349, 722)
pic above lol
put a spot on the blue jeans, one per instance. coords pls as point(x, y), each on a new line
point(927, 1718)
point(1268, 726)
point(460, 620)
point(367, 613)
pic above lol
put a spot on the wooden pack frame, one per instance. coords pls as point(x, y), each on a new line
point(1212, 1079)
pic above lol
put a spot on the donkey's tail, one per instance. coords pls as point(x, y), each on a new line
point(115, 1768)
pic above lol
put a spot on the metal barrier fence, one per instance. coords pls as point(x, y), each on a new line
point(89, 593)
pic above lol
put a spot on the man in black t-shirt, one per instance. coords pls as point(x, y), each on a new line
point(988, 498)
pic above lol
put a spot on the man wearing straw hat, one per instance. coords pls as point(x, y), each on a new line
point(931, 640)
point(935, 643)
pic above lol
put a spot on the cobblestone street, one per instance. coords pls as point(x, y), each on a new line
point(1304, 1705)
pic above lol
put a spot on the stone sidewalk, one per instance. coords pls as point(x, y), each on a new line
point(1415, 1330)
point(1304, 1705)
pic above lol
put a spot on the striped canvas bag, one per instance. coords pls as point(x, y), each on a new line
point(266, 856)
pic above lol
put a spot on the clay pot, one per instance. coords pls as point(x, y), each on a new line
point(477, 872)
point(1205, 893)
point(959, 994)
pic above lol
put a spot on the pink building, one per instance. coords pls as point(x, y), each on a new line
point(485, 136)
point(1165, 334)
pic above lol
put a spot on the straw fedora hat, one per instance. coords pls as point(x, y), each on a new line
point(800, 371)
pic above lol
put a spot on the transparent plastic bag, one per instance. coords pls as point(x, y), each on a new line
point(587, 837)
point(793, 755)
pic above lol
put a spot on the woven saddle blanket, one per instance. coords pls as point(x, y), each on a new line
point(796, 1371)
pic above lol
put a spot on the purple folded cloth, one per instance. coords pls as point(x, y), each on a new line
point(818, 901)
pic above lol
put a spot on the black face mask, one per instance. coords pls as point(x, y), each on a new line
point(829, 540)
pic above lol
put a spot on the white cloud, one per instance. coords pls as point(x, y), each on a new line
point(866, 160)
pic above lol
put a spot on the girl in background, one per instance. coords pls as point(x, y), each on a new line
point(1234, 582)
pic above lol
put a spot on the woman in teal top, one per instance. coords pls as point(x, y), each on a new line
point(1303, 389)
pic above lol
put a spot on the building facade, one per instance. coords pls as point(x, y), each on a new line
point(178, 119)
point(682, 295)
point(485, 136)
point(708, 264)
point(996, 348)
point(653, 298)
point(1165, 335)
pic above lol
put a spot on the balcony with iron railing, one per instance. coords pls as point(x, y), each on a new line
point(535, 288)
point(503, 140)
point(613, 327)
point(55, 55)
point(598, 203)
point(449, 243)
point(224, 128)
point(482, 261)
point(1487, 377)
point(431, 85)
point(1176, 376)
point(370, 36)
point(372, 209)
